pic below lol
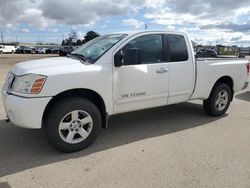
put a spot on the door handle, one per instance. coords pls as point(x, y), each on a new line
point(161, 70)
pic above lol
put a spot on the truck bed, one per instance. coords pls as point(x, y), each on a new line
point(209, 70)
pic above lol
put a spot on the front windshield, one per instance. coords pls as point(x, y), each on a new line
point(94, 49)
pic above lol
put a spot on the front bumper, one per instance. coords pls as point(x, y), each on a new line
point(25, 112)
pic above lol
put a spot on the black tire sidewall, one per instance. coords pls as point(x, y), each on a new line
point(218, 88)
point(57, 113)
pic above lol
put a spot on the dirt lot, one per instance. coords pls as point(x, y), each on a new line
point(174, 146)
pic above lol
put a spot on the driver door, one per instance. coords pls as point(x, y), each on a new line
point(142, 83)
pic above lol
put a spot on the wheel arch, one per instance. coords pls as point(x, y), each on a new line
point(91, 95)
point(226, 80)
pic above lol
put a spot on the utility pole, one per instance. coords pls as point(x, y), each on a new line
point(2, 36)
point(62, 38)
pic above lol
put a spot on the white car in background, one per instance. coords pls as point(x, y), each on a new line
point(7, 49)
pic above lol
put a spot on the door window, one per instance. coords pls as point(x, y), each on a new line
point(150, 47)
point(177, 48)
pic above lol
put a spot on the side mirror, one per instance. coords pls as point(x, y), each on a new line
point(118, 59)
point(132, 57)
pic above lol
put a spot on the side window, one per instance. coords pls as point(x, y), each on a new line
point(150, 47)
point(177, 48)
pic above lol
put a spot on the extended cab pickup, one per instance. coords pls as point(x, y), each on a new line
point(71, 97)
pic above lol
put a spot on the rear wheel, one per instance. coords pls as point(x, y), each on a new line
point(219, 100)
point(72, 124)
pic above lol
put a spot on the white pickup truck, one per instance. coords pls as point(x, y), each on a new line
point(71, 97)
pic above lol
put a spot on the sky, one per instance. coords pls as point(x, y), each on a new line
point(208, 22)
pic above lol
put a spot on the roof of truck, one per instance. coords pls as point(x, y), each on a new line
point(134, 32)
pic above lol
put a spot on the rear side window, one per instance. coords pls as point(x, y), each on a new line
point(177, 48)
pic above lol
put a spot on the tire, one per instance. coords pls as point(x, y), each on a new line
point(1, 52)
point(12, 52)
point(219, 100)
point(199, 55)
point(62, 123)
point(214, 55)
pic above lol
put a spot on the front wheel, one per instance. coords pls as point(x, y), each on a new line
point(72, 124)
point(219, 100)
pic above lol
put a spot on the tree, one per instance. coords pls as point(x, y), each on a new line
point(63, 43)
point(79, 42)
point(72, 40)
point(90, 35)
point(69, 42)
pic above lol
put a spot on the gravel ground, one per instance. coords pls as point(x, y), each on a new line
point(173, 146)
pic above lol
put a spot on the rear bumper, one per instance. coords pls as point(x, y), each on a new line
point(25, 112)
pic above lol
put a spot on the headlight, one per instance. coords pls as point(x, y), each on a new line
point(29, 84)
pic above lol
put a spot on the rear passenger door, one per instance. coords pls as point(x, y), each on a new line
point(181, 68)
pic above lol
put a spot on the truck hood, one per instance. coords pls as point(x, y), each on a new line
point(50, 66)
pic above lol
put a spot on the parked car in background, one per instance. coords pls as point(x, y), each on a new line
point(206, 53)
point(48, 50)
point(44, 50)
point(243, 52)
point(29, 50)
point(40, 51)
point(7, 49)
point(26, 49)
point(65, 50)
point(20, 49)
point(55, 50)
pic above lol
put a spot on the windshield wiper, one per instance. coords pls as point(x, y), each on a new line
point(80, 56)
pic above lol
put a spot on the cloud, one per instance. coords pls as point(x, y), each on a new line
point(210, 19)
point(196, 12)
point(14, 12)
point(55, 30)
point(137, 24)
point(34, 17)
point(233, 39)
point(210, 9)
point(9, 11)
point(25, 30)
point(245, 28)
point(41, 13)
point(86, 11)
point(170, 27)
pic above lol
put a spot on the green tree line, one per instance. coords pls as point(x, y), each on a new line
point(73, 41)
